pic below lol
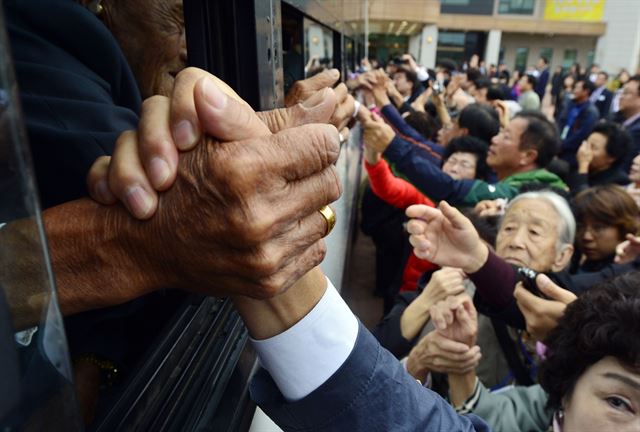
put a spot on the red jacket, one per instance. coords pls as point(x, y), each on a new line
point(401, 194)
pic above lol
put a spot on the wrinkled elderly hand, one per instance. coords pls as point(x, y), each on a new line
point(445, 237)
point(168, 125)
point(302, 90)
point(456, 318)
point(447, 281)
point(628, 250)
point(542, 315)
point(436, 353)
point(495, 207)
point(242, 215)
point(377, 134)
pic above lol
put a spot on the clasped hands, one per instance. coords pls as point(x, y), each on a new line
point(238, 212)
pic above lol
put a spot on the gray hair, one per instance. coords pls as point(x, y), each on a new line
point(567, 227)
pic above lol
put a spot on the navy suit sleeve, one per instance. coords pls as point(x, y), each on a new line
point(76, 100)
point(417, 165)
point(570, 145)
point(371, 391)
point(388, 331)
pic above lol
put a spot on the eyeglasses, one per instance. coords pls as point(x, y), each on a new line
point(464, 164)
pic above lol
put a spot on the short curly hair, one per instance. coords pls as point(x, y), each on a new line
point(602, 322)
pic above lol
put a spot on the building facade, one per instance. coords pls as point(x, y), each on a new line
point(516, 32)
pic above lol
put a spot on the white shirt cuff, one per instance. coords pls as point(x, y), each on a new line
point(422, 74)
point(306, 355)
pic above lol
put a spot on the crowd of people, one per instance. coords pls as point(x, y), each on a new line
point(511, 304)
point(548, 197)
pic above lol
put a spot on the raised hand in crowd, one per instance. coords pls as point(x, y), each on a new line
point(410, 61)
point(445, 237)
point(438, 100)
point(377, 135)
point(421, 100)
point(628, 250)
point(393, 92)
point(437, 353)
point(445, 282)
point(300, 94)
point(488, 208)
point(457, 320)
point(584, 157)
point(379, 87)
point(542, 315)
point(503, 112)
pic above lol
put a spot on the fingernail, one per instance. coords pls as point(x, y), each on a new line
point(335, 73)
point(138, 201)
point(103, 192)
point(213, 95)
point(159, 171)
point(184, 135)
point(316, 99)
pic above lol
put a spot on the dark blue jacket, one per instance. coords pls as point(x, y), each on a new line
point(541, 85)
point(406, 131)
point(370, 392)
point(577, 131)
point(77, 91)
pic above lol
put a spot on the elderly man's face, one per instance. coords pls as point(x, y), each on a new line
point(504, 151)
point(152, 36)
point(630, 98)
point(528, 236)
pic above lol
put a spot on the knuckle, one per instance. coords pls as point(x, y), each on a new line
point(188, 74)
point(334, 189)
point(152, 102)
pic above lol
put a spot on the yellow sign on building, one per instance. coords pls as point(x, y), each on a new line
point(574, 10)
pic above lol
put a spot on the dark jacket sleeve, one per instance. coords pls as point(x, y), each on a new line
point(371, 391)
point(577, 183)
point(587, 119)
point(584, 281)
point(391, 114)
point(77, 93)
point(417, 165)
point(388, 330)
point(495, 283)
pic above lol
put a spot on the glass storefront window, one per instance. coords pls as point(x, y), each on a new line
point(570, 57)
point(516, 7)
point(522, 55)
point(547, 53)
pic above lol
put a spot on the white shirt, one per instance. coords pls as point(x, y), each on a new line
point(306, 355)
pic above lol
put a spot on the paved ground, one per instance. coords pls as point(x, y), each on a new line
point(360, 282)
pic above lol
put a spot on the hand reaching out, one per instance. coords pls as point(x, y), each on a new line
point(542, 315)
point(628, 250)
point(445, 237)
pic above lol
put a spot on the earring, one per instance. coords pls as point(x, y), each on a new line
point(96, 7)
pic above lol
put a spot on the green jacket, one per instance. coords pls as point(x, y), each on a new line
point(509, 187)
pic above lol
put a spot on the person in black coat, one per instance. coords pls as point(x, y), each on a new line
point(601, 96)
point(601, 157)
point(543, 78)
point(629, 116)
